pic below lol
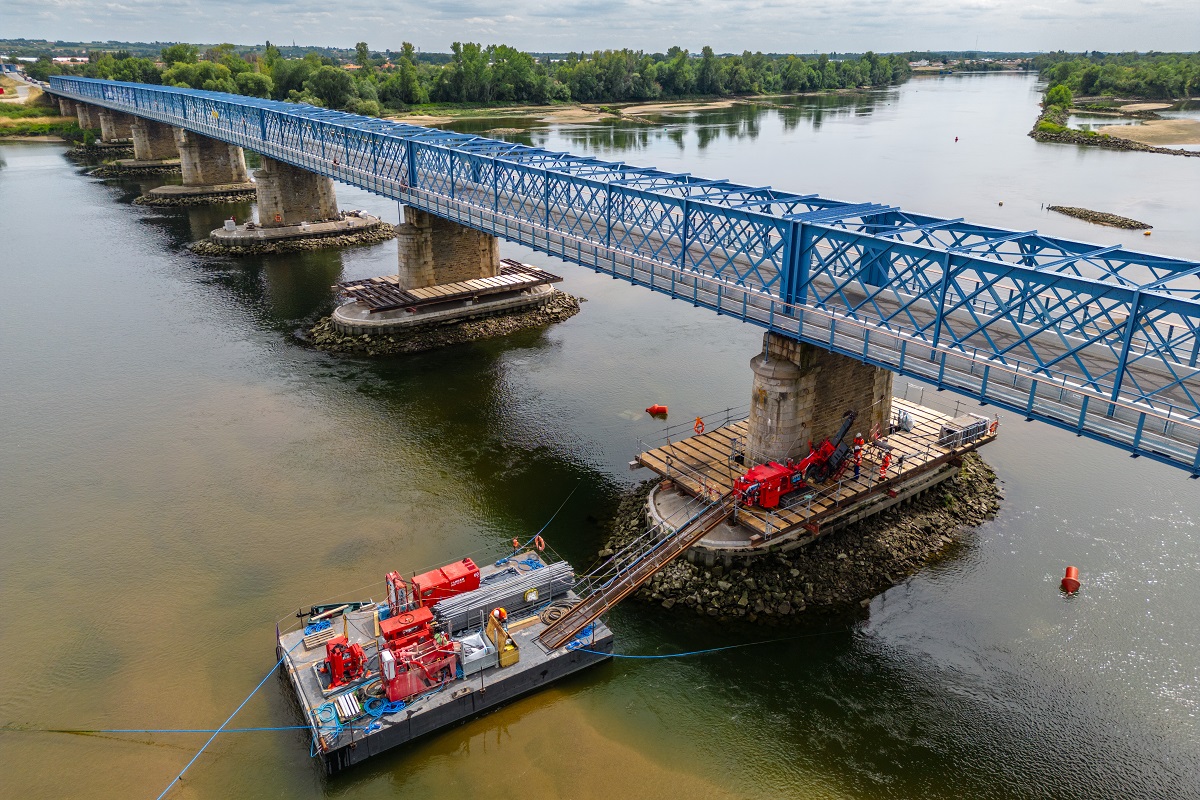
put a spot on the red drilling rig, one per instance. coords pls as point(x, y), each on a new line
point(766, 484)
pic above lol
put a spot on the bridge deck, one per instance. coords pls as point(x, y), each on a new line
point(704, 466)
point(1099, 340)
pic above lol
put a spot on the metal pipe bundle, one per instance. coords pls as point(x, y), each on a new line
point(516, 593)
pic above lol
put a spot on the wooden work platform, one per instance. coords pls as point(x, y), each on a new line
point(706, 465)
point(385, 294)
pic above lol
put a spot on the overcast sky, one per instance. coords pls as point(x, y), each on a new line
point(652, 25)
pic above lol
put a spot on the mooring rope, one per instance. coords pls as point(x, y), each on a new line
point(713, 649)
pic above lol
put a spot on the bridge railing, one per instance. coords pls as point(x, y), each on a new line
point(1116, 332)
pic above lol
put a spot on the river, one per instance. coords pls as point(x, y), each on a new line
point(177, 473)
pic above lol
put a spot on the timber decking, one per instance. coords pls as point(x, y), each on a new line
point(704, 466)
point(385, 294)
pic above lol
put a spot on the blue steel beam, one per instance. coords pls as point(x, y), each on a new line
point(1102, 341)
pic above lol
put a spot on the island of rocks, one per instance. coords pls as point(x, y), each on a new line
point(840, 571)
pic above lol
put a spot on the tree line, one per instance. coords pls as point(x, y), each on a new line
point(1158, 76)
point(474, 73)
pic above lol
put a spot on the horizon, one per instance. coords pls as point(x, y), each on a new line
point(769, 26)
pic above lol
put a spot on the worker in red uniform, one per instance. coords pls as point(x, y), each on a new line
point(859, 444)
point(883, 465)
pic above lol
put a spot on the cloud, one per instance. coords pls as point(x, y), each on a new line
point(653, 25)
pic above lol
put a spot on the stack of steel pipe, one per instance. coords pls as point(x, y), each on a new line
point(514, 594)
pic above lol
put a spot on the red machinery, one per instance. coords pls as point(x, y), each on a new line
point(345, 663)
point(765, 484)
point(413, 670)
point(450, 580)
point(397, 593)
point(407, 628)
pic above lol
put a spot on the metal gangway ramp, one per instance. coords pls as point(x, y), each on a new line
point(619, 577)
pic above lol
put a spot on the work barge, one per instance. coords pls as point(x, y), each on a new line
point(448, 645)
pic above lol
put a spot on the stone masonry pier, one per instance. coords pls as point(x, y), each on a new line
point(438, 257)
point(154, 148)
point(213, 172)
point(800, 393)
point(115, 126)
point(297, 210)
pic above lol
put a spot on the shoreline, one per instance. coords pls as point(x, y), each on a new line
point(837, 573)
point(596, 112)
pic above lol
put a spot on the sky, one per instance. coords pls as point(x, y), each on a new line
point(785, 26)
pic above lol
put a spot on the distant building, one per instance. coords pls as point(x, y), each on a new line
point(70, 59)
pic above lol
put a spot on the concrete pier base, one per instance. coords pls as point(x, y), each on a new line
point(65, 107)
point(357, 319)
point(351, 228)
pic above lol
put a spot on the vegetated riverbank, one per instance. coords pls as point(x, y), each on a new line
point(1051, 126)
point(1100, 217)
point(324, 336)
point(840, 571)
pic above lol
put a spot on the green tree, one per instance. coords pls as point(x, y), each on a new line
point(362, 54)
point(333, 86)
point(179, 53)
point(1059, 96)
point(254, 84)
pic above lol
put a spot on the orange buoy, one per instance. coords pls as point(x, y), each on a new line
point(1146, 233)
point(657, 410)
point(1070, 581)
point(699, 426)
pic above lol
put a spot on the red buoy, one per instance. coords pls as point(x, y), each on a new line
point(1070, 581)
point(657, 411)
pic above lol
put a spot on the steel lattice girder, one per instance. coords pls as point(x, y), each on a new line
point(1098, 323)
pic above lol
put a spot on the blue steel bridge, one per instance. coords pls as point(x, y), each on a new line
point(1102, 341)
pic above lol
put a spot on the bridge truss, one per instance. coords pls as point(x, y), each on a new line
point(1102, 341)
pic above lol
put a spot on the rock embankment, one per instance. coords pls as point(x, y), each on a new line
point(376, 233)
point(238, 196)
point(1100, 217)
point(324, 336)
point(840, 571)
point(115, 170)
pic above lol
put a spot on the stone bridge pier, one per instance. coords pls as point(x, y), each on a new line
point(115, 126)
point(213, 172)
point(447, 273)
point(65, 107)
point(288, 196)
point(295, 207)
point(153, 142)
point(84, 113)
point(800, 394)
point(434, 251)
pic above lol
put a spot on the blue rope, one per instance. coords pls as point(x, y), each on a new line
point(709, 650)
point(187, 766)
point(313, 627)
point(160, 730)
point(533, 538)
